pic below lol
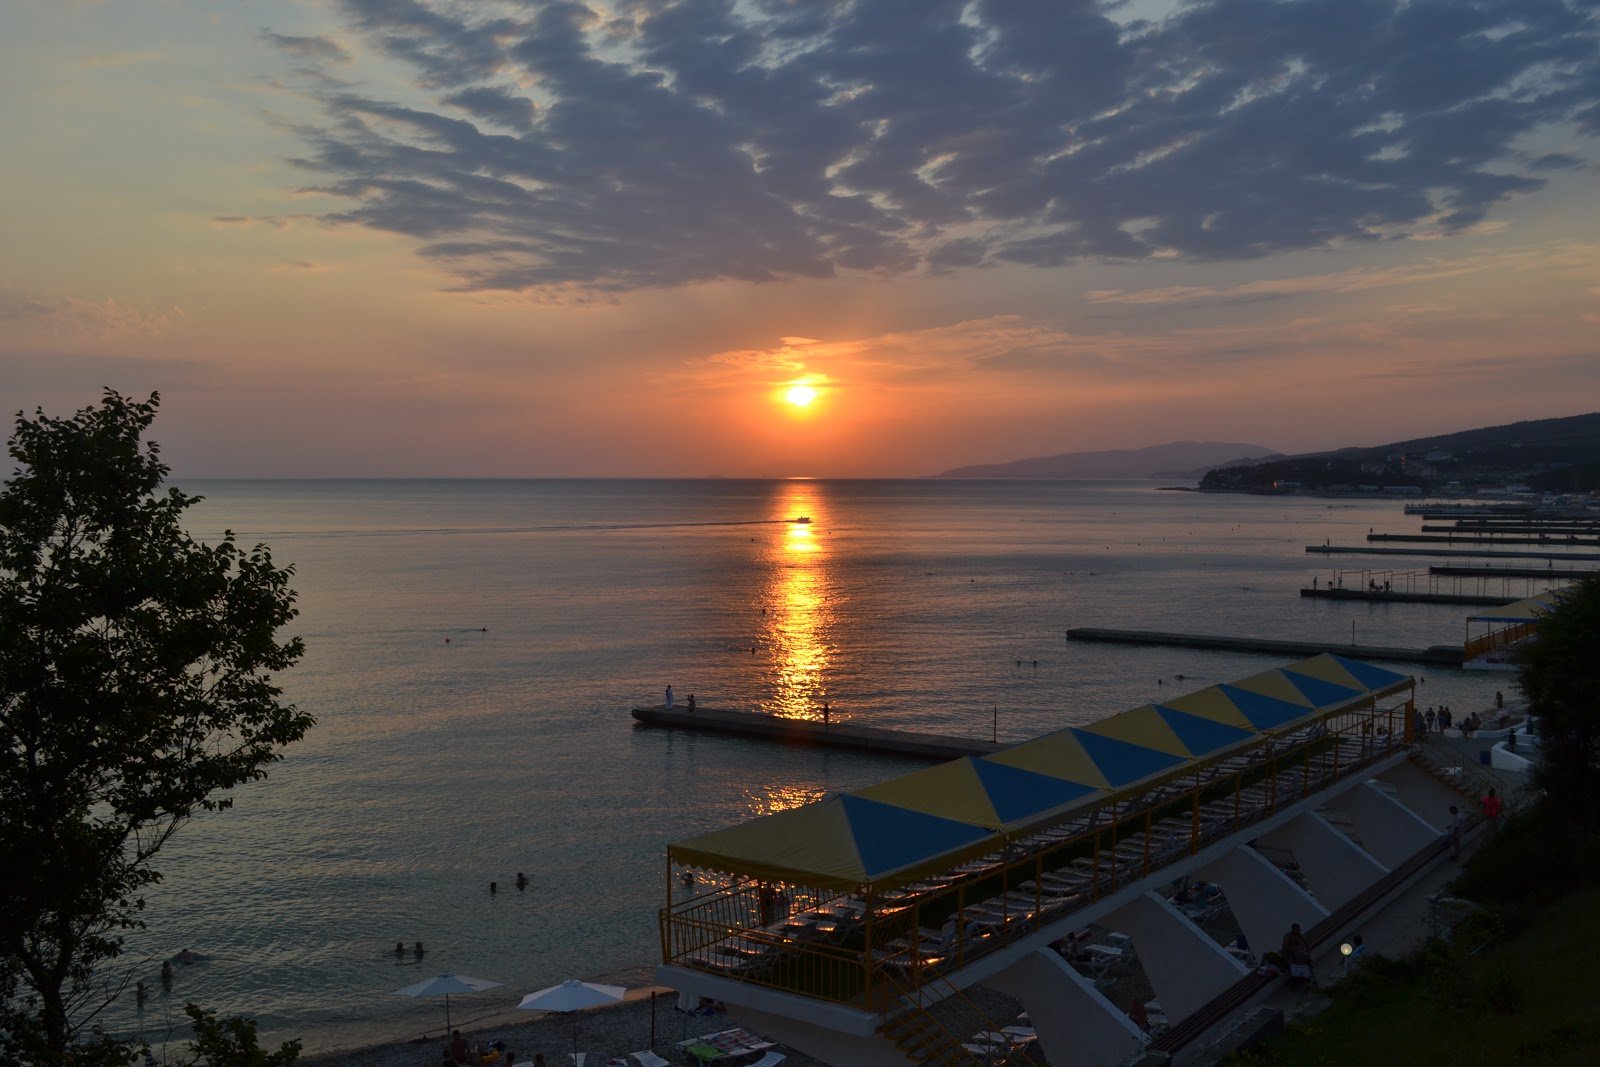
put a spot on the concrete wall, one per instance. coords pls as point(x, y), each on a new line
point(1077, 1026)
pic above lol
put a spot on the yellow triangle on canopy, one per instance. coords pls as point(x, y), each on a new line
point(1327, 669)
point(813, 845)
point(1059, 755)
point(1273, 684)
point(950, 790)
point(1211, 704)
point(1142, 726)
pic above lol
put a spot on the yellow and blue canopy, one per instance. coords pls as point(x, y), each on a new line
point(903, 829)
point(1527, 610)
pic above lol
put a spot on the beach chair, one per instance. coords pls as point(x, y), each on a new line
point(771, 1059)
point(648, 1058)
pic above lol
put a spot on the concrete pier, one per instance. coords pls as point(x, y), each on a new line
point(1441, 655)
point(1384, 596)
point(1497, 529)
point(938, 747)
point(1485, 537)
point(1512, 572)
point(1362, 550)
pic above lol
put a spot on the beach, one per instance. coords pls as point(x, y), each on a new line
point(612, 1031)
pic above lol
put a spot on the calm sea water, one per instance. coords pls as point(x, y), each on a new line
point(474, 649)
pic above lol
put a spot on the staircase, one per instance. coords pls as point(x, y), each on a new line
point(1471, 780)
point(924, 1024)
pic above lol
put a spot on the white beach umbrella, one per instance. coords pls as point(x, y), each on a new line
point(573, 995)
point(444, 985)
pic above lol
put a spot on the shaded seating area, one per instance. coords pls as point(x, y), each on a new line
point(862, 897)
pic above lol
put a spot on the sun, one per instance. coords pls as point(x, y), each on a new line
point(800, 395)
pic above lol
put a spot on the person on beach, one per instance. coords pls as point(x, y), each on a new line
point(399, 949)
point(166, 973)
point(691, 703)
point(459, 1053)
point(417, 952)
point(522, 880)
point(669, 698)
point(140, 991)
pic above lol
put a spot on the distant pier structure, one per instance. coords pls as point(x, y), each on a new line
point(1459, 586)
point(815, 733)
point(1442, 655)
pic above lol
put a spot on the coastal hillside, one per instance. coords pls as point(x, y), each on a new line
point(1549, 455)
point(1149, 462)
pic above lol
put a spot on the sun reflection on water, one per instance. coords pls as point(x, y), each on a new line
point(799, 614)
point(783, 798)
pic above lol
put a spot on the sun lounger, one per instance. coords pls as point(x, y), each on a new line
point(648, 1058)
point(771, 1059)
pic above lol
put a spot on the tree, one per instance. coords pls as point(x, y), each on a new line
point(1557, 675)
point(232, 1042)
point(135, 687)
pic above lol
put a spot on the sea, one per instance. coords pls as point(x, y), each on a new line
point(474, 649)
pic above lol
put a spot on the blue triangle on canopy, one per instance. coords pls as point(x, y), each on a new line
point(1017, 793)
point(889, 837)
point(1200, 735)
point(1319, 692)
point(1121, 761)
point(1368, 675)
point(1264, 712)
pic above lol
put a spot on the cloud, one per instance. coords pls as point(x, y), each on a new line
point(1354, 280)
point(111, 317)
point(665, 143)
point(312, 49)
point(935, 357)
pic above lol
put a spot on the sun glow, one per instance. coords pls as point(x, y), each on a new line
point(800, 395)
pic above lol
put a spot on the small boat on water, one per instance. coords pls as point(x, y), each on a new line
point(801, 518)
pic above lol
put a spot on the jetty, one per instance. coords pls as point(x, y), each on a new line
point(1440, 655)
point(1486, 537)
point(1386, 596)
point(1518, 528)
point(1497, 553)
point(1512, 572)
point(814, 733)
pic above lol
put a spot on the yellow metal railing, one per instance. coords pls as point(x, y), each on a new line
point(867, 947)
point(1495, 640)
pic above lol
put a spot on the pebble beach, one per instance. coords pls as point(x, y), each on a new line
point(613, 1031)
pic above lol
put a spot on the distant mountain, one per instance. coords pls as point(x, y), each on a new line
point(1123, 463)
point(1551, 455)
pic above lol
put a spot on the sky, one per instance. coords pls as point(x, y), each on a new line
point(387, 238)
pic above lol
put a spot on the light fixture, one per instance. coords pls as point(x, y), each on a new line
point(1346, 948)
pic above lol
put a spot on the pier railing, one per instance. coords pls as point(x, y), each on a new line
point(868, 947)
point(1495, 640)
